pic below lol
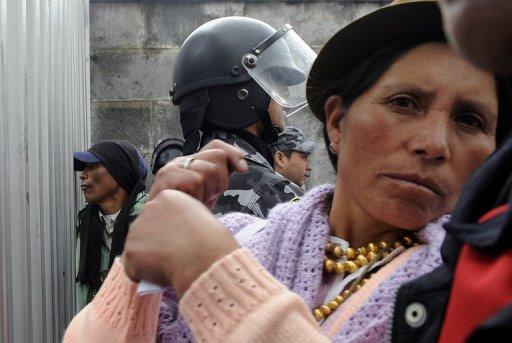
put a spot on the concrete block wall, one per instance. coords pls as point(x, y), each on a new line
point(134, 44)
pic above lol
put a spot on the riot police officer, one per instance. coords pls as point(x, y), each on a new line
point(235, 79)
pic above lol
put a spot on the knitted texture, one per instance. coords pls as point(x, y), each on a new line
point(291, 248)
point(117, 314)
point(217, 301)
point(372, 322)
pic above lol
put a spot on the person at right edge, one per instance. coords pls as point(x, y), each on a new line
point(469, 297)
point(222, 79)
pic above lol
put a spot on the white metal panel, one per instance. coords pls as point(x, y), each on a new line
point(44, 117)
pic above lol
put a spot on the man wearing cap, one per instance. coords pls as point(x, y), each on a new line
point(291, 155)
point(112, 179)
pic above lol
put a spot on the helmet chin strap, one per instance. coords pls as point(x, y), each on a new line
point(270, 132)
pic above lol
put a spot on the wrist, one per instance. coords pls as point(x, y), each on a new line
point(199, 261)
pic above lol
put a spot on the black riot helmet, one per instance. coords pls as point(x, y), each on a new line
point(165, 151)
point(227, 71)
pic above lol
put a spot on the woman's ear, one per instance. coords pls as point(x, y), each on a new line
point(333, 108)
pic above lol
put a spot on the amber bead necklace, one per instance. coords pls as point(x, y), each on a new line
point(340, 261)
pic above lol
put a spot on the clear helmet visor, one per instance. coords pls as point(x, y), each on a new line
point(280, 65)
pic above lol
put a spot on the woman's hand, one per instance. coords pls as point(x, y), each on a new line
point(174, 240)
point(206, 176)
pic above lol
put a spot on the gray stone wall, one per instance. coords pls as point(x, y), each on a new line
point(134, 44)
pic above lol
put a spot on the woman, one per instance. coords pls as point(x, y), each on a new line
point(410, 121)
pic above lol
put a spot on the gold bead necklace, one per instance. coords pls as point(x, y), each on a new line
point(354, 259)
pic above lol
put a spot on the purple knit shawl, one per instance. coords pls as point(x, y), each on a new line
point(291, 247)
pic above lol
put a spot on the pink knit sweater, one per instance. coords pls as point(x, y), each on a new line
point(236, 300)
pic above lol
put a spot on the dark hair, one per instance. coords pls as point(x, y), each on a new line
point(368, 71)
point(287, 153)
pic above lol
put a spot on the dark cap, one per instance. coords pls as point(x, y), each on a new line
point(81, 158)
point(292, 139)
point(121, 159)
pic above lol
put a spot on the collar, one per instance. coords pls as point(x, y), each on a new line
point(343, 243)
point(250, 153)
point(108, 218)
point(258, 144)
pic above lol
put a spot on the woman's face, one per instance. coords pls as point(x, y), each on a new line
point(407, 145)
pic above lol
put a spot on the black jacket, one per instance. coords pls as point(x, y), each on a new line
point(421, 304)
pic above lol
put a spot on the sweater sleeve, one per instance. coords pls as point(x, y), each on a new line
point(236, 221)
point(117, 313)
point(237, 300)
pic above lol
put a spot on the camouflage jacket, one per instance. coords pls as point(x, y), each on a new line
point(256, 191)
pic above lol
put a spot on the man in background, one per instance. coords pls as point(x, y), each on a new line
point(291, 155)
point(112, 179)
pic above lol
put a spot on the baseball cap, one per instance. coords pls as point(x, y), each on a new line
point(292, 139)
point(81, 158)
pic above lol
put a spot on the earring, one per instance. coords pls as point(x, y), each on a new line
point(331, 149)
